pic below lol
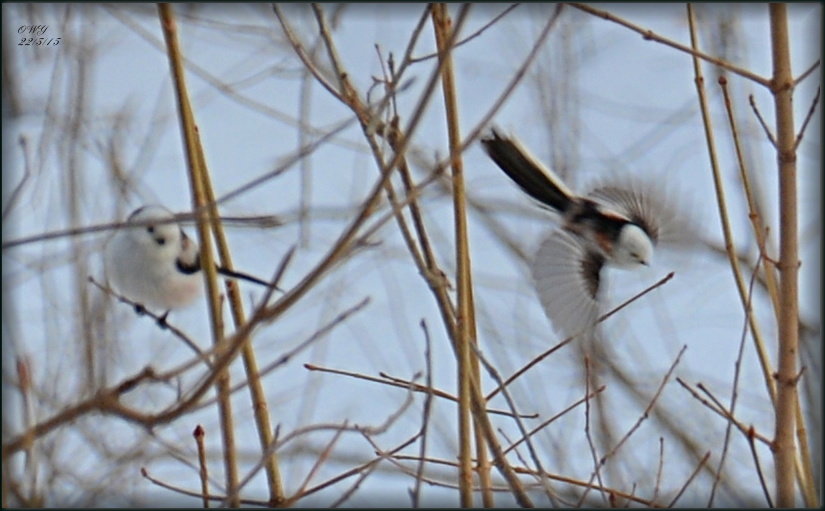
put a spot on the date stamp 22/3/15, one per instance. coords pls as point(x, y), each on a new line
point(34, 35)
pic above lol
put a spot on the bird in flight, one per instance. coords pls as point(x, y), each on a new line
point(614, 225)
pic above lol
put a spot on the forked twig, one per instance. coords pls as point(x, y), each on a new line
point(807, 119)
point(556, 416)
point(762, 122)
point(160, 320)
point(566, 341)
point(470, 37)
point(645, 414)
point(398, 382)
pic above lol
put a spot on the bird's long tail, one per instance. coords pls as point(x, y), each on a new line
point(226, 272)
point(527, 171)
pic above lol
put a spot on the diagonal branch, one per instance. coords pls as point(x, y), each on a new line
point(649, 35)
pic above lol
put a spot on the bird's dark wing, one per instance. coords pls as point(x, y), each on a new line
point(525, 170)
point(639, 207)
point(663, 212)
point(567, 276)
point(667, 213)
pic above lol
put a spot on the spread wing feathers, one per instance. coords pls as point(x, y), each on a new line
point(664, 218)
point(566, 276)
point(527, 171)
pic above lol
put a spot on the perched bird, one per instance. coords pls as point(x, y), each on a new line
point(614, 225)
point(155, 264)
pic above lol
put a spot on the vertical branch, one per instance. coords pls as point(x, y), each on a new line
point(199, 199)
point(465, 320)
point(786, 377)
point(199, 435)
point(804, 465)
point(727, 231)
point(256, 389)
point(783, 390)
point(74, 189)
point(759, 228)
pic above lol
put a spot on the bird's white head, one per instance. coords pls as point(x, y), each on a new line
point(161, 238)
point(633, 247)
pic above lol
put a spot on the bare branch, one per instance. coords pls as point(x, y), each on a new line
point(762, 123)
point(649, 35)
point(807, 119)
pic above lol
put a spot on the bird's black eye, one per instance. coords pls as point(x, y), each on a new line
point(159, 240)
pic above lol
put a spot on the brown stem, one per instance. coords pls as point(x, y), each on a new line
point(465, 318)
point(782, 86)
point(197, 179)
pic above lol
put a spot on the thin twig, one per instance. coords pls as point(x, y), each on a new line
point(721, 202)
point(278, 443)
point(289, 355)
point(319, 461)
point(398, 382)
point(715, 406)
point(24, 378)
point(415, 493)
point(734, 387)
point(645, 414)
point(351, 472)
point(807, 72)
point(522, 470)
point(762, 122)
point(305, 58)
point(345, 495)
point(27, 173)
point(690, 479)
point(807, 119)
point(556, 417)
point(525, 435)
point(470, 37)
point(649, 35)
point(160, 320)
point(658, 485)
point(262, 221)
point(587, 435)
point(566, 341)
point(199, 435)
point(762, 483)
point(759, 229)
point(145, 474)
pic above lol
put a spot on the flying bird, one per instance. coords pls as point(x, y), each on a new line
point(615, 225)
